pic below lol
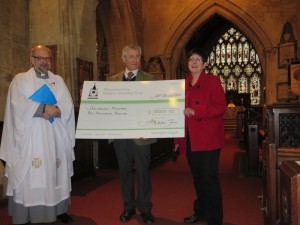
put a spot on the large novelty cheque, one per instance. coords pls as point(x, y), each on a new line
point(119, 110)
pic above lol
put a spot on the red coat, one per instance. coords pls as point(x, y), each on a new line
point(207, 99)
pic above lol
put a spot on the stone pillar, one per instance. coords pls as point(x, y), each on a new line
point(270, 75)
point(166, 59)
point(14, 54)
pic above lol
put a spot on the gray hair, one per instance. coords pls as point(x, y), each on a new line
point(129, 47)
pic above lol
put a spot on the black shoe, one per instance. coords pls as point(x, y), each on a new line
point(147, 217)
point(175, 155)
point(126, 215)
point(193, 219)
point(65, 218)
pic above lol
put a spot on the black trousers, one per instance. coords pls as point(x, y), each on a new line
point(129, 155)
point(204, 168)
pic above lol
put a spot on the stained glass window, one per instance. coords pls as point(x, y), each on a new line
point(236, 62)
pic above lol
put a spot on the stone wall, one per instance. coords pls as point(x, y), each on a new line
point(119, 28)
point(136, 9)
point(14, 39)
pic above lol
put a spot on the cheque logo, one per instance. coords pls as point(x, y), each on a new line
point(93, 94)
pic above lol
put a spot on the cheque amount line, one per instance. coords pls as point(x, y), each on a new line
point(128, 101)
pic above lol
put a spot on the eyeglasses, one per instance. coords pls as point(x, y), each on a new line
point(195, 60)
point(40, 58)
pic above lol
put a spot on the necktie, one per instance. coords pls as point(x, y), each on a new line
point(130, 75)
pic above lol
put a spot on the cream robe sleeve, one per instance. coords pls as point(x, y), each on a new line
point(18, 113)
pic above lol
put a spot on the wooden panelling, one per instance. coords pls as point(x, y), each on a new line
point(281, 145)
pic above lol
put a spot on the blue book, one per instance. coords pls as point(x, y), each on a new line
point(45, 96)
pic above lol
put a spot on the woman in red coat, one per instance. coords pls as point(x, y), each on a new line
point(205, 105)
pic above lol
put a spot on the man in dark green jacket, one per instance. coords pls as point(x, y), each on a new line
point(134, 152)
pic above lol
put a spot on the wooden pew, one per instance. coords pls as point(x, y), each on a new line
point(269, 164)
point(273, 159)
point(281, 145)
point(290, 193)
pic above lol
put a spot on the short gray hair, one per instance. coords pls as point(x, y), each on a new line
point(131, 46)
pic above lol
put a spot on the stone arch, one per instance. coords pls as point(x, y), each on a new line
point(186, 25)
point(119, 30)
